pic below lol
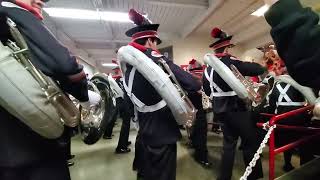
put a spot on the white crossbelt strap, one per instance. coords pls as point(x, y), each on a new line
point(214, 86)
point(141, 107)
point(283, 95)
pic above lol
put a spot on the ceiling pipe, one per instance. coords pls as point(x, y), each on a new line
point(194, 25)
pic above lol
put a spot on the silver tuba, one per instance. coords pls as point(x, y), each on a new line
point(94, 121)
point(39, 101)
point(49, 94)
point(256, 93)
point(192, 111)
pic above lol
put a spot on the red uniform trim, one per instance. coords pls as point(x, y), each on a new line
point(221, 54)
point(140, 47)
point(77, 77)
point(29, 8)
point(144, 34)
point(222, 44)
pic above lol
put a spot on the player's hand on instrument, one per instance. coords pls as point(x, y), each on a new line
point(94, 99)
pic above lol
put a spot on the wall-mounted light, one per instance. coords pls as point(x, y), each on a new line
point(260, 12)
point(87, 14)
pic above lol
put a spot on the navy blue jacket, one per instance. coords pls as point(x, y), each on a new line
point(19, 145)
point(159, 127)
point(230, 103)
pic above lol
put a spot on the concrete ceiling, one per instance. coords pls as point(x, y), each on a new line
point(96, 41)
point(100, 39)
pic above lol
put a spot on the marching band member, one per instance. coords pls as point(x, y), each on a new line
point(25, 154)
point(199, 130)
point(125, 111)
point(230, 110)
point(284, 98)
point(158, 130)
point(295, 31)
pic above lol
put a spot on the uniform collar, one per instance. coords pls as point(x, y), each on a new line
point(142, 48)
point(221, 54)
point(21, 5)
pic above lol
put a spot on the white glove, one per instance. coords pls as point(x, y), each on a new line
point(94, 99)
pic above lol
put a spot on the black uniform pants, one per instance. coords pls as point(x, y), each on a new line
point(65, 142)
point(46, 170)
point(138, 156)
point(110, 125)
point(156, 162)
point(235, 125)
point(199, 136)
point(125, 127)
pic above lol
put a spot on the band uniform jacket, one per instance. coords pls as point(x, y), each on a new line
point(158, 127)
point(295, 96)
point(230, 103)
point(19, 145)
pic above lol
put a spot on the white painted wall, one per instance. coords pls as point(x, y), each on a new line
point(252, 55)
point(237, 51)
point(192, 47)
point(196, 47)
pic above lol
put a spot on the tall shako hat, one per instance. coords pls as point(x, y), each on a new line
point(144, 28)
point(221, 39)
point(194, 65)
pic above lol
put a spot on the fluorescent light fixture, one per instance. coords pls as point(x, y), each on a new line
point(109, 65)
point(260, 12)
point(87, 14)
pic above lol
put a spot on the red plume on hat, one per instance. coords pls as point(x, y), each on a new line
point(221, 39)
point(138, 18)
point(193, 61)
point(194, 65)
point(144, 27)
point(218, 33)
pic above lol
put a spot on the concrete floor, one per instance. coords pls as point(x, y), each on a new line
point(99, 162)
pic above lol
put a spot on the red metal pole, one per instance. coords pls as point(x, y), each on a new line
point(273, 121)
point(260, 124)
point(276, 118)
point(271, 156)
point(297, 128)
point(267, 114)
point(295, 144)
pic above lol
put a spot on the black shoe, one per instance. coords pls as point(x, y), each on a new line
point(129, 143)
point(71, 157)
point(123, 150)
point(108, 137)
point(217, 130)
point(189, 145)
point(70, 163)
point(204, 163)
point(288, 167)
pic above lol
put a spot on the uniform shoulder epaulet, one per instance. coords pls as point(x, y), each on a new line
point(234, 58)
point(156, 54)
